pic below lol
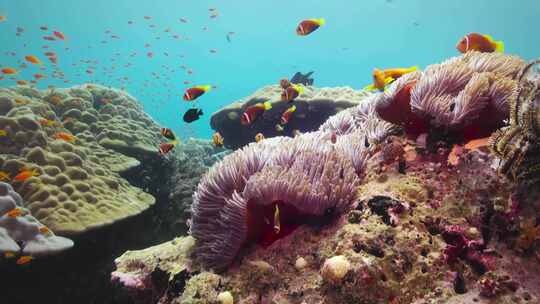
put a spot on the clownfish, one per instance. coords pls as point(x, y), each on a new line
point(479, 42)
point(251, 113)
point(286, 116)
point(291, 92)
point(308, 26)
point(382, 78)
point(195, 92)
point(217, 139)
point(167, 133)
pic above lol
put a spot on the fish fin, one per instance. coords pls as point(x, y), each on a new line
point(205, 88)
point(369, 87)
point(388, 80)
point(267, 105)
point(489, 37)
point(412, 69)
point(499, 46)
point(321, 21)
point(299, 88)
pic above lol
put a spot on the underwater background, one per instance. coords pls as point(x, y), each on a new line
point(357, 37)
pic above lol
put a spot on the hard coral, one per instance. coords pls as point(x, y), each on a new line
point(464, 98)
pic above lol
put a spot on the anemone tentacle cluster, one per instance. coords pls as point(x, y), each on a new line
point(308, 174)
point(518, 145)
point(467, 97)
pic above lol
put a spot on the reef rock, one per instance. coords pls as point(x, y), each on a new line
point(313, 107)
point(22, 234)
point(76, 142)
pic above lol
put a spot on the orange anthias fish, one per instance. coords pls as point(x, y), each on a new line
point(382, 78)
point(25, 259)
point(291, 92)
point(9, 71)
point(251, 113)
point(195, 92)
point(286, 116)
point(306, 27)
point(15, 212)
point(217, 139)
point(59, 35)
point(32, 59)
point(65, 136)
point(259, 137)
point(479, 42)
point(26, 174)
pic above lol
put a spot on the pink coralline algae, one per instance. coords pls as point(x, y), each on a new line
point(265, 190)
point(460, 247)
point(463, 98)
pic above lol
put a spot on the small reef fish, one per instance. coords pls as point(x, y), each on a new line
point(9, 71)
point(3, 18)
point(39, 76)
point(479, 42)
point(59, 35)
point(167, 133)
point(286, 116)
point(291, 92)
point(252, 112)
point(25, 259)
point(65, 136)
point(44, 122)
point(44, 230)
point(21, 82)
point(9, 254)
point(307, 27)
point(44, 28)
point(382, 78)
point(195, 92)
point(218, 140)
point(192, 114)
point(15, 212)
point(32, 59)
point(4, 176)
point(25, 174)
point(3, 133)
point(259, 137)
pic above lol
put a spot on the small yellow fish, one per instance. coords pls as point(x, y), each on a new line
point(3, 133)
point(25, 259)
point(4, 176)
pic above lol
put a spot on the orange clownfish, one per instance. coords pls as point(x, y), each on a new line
point(306, 27)
point(286, 116)
point(165, 148)
point(381, 78)
point(25, 259)
point(291, 92)
point(195, 92)
point(26, 174)
point(217, 139)
point(479, 42)
point(9, 71)
point(259, 137)
point(251, 113)
point(167, 133)
point(32, 59)
point(59, 35)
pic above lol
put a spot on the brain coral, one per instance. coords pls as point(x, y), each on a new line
point(22, 234)
point(77, 186)
point(466, 97)
point(263, 191)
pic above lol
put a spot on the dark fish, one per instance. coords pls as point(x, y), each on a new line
point(192, 114)
point(302, 78)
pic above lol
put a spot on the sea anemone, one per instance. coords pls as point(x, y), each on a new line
point(236, 201)
point(464, 98)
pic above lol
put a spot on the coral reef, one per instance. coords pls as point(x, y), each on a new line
point(461, 99)
point(64, 136)
point(23, 234)
point(313, 107)
point(518, 145)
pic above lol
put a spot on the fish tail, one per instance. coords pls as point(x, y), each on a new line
point(412, 69)
point(205, 88)
point(321, 21)
point(293, 108)
point(175, 142)
point(388, 80)
point(267, 105)
point(499, 46)
point(369, 87)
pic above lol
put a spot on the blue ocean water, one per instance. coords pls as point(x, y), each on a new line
point(358, 36)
